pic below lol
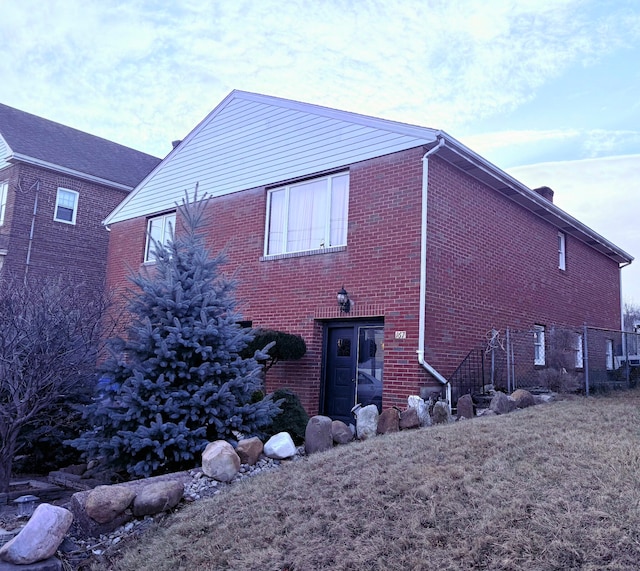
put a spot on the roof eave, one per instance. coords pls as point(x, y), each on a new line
point(530, 199)
point(19, 158)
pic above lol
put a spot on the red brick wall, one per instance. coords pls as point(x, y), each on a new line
point(493, 264)
point(490, 264)
point(79, 250)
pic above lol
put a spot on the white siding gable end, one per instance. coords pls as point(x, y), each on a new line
point(252, 140)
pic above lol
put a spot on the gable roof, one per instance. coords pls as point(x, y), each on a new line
point(32, 139)
point(251, 140)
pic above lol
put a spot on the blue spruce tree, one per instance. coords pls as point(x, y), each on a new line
point(177, 380)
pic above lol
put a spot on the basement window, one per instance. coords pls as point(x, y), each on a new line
point(579, 350)
point(66, 206)
point(159, 232)
point(538, 345)
point(609, 355)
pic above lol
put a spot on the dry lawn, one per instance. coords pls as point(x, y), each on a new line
point(552, 487)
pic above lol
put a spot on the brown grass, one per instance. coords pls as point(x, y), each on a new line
point(552, 487)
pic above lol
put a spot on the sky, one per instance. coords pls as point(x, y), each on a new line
point(547, 90)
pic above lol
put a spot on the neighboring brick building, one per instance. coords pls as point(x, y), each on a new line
point(57, 185)
point(434, 245)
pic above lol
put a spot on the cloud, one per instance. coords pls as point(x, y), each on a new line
point(144, 72)
point(604, 194)
point(589, 143)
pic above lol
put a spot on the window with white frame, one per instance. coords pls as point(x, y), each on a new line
point(562, 251)
point(159, 232)
point(66, 206)
point(579, 351)
point(609, 355)
point(538, 345)
point(308, 215)
point(4, 187)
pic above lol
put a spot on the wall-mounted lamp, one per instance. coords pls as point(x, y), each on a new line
point(343, 301)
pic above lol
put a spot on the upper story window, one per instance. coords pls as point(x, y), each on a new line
point(4, 187)
point(66, 206)
point(538, 345)
point(159, 231)
point(562, 251)
point(308, 215)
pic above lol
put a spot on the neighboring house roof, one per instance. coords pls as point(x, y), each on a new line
point(31, 139)
point(250, 140)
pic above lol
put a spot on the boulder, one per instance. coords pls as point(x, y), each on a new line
point(366, 420)
point(388, 421)
point(40, 538)
point(486, 412)
point(523, 398)
point(421, 407)
point(543, 398)
point(341, 433)
point(86, 526)
point(502, 404)
point(51, 564)
point(409, 419)
point(157, 497)
point(318, 436)
point(441, 413)
point(220, 461)
point(465, 407)
point(249, 450)
point(280, 446)
point(105, 503)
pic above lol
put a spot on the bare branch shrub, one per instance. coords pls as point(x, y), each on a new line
point(49, 335)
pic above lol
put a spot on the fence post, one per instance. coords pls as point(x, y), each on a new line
point(494, 334)
point(627, 369)
point(585, 358)
point(508, 362)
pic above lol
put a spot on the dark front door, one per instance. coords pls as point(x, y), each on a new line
point(354, 360)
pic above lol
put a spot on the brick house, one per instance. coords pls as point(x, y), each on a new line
point(433, 245)
point(57, 184)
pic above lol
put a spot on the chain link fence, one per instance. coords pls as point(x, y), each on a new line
point(562, 359)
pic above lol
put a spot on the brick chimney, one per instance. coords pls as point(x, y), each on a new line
point(545, 192)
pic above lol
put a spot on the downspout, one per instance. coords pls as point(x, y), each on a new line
point(423, 271)
point(33, 224)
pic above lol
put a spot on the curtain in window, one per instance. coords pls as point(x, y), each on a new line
point(308, 207)
point(276, 222)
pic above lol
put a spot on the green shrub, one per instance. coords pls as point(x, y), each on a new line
point(293, 418)
point(285, 346)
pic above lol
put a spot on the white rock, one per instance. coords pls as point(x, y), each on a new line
point(366, 420)
point(423, 410)
point(40, 538)
point(220, 461)
point(280, 446)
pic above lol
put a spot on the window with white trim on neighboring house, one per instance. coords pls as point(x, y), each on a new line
point(4, 188)
point(66, 206)
point(159, 231)
point(309, 215)
point(538, 345)
point(562, 251)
